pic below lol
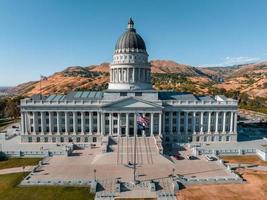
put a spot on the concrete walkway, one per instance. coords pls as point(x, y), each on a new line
point(16, 170)
point(260, 168)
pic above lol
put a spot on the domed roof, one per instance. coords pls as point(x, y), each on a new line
point(130, 40)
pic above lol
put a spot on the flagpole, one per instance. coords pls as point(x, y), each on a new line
point(135, 154)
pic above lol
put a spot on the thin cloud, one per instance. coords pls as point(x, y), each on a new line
point(228, 61)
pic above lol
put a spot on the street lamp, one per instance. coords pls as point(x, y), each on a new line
point(95, 174)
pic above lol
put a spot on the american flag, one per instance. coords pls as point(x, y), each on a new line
point(142, 122)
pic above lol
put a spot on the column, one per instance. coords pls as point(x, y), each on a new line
point(102, 123)
point(127, 124)
point(119, 124)
point(74, 123)
point(34, 122)
point(178, 122)
point(160, 124)
point(58, 123)
point(82, 123)
point(209, 121)
point(22, 123)
point(98, 122)
point(50, 123)
point(216, 122)
point(223, 124)
point(26, 123)
point(170, 122)
point(194, 123)
point(144, 131)
point(163, 122)
point(42, 122)
point(110, 126)
point(186, 123)
point(133, 75)
point(135, 124)
point(231, 122)
point(66, 123)
point(151, 124)
point(90, 123)
point(201, 122)
point(128, 77)
point(235, 122)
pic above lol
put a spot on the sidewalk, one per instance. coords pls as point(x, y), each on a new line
point(16, 170)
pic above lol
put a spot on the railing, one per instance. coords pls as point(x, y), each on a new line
point(99, 102)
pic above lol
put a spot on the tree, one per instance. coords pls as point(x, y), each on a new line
point(12, 109)
point(2, 107)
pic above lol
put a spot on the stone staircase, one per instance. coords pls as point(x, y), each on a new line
point(162, 189)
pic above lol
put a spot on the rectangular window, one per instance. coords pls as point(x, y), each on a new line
point(123, 94)
point(138, 94)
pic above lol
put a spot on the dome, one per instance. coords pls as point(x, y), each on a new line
point(130, 40)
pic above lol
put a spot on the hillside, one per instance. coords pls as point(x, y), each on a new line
point(250, 79)
point(96, 77)
point(247, 79)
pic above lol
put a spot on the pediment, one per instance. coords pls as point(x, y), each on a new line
point(132, 103)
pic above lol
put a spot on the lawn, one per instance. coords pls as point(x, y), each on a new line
point(255, 188)
point(10, 191)
point(244, 159)
point(18, 162)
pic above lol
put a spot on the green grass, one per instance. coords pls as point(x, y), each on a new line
point(18, 162)
point(10, 191)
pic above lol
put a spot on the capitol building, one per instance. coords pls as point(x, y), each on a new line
point(86, 117)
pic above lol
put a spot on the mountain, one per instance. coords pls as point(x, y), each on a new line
point(95, 77)
point(249, 78)
point(166, 75)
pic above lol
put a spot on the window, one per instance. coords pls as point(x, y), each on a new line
point(123, 94)
point(138, 94)
point(53, 139)
point(30, 139)
point(78, 139)
point(86, 139)
point(94, 139)
point(46, 139)
point(61, 139)
point(38, 139)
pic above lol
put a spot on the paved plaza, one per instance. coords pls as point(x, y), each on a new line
point(112, 165)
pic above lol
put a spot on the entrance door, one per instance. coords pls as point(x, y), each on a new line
point(131, 132)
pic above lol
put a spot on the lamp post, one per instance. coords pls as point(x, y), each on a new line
point(95, 174)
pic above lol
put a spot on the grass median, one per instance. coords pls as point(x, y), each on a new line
point(9, 190)
point(18, 162)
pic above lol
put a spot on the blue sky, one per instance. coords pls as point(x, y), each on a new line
point(45, 36)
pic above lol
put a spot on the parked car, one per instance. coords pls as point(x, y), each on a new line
point(210, 158)
point(179, 157)
point(193, 158)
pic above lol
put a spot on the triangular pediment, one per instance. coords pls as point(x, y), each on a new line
point(132, 103)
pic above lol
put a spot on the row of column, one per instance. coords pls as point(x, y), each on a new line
point(233, 122)
point(128, 75)
point(100, 123)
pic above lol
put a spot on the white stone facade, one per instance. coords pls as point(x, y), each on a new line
point(86, 117)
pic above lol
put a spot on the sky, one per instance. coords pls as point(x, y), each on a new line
point(41, 37)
